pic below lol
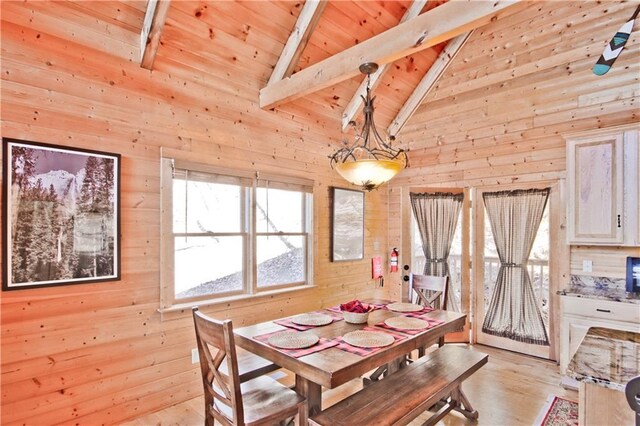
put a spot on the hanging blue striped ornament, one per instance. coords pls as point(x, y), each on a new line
point(615, 46)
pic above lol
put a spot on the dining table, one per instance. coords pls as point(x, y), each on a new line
point(336, 363)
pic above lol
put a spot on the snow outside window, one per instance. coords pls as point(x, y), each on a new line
point(233, 234)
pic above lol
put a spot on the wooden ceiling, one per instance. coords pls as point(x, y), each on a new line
point(234, 46)
point(251, 36)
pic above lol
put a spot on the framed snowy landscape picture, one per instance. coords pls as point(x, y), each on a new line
point(347, 241)
point(61, 215)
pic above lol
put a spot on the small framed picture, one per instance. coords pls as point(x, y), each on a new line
point(633, 274)
point(61, 215)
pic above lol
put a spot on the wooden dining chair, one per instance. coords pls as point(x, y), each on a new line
point(259, 401)
point(429, 291)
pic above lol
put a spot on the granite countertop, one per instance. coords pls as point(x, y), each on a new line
point(606, 357)
point(602, 293)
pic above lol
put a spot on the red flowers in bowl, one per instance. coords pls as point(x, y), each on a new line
point(356, 306)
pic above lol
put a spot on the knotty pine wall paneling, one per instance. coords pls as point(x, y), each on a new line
point(499, 113)
point(102, 353)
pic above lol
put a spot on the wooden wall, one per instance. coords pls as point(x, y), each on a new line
point(499, 113)
point(102, 353)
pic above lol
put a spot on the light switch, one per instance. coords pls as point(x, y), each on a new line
point(587, 266)
point(376, 246)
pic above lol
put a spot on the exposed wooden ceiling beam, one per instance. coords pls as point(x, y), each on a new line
point(307, 21)
point(440, 24)
point(355, 104)
point(428, 81)
point(154, 19)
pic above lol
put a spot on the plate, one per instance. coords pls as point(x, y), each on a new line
point(406, 323)
point(368, 339)
point(404, 307)
point(314, 319)
point(293, 340)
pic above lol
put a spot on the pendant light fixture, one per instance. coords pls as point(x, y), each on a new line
point(371, 160)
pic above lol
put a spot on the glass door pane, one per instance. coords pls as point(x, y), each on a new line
point(537, 266)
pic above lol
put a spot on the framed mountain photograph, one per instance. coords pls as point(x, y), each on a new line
point(61, 215)
point(347, 221)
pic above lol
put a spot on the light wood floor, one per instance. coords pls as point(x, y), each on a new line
point(510, 390)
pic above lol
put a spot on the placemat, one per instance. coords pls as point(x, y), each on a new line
point(286, 322)
point(416, 314)
point(367, 351)
point(402, 322)
point(368, 339)
point(431, 323)
point(404, 307)
point(312, 318)
point(297, 353)
point(293, 339)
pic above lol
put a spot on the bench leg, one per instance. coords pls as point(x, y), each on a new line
point(376, 375)
point(386, 369)
point(439, 415)
point(457, 401)
point(464, 407)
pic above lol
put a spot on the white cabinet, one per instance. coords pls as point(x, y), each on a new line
point(602, 177)
point(579, 314)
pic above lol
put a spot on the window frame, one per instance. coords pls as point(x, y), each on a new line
point(249, 182)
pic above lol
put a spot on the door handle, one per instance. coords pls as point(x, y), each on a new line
point(619, 225)
point(608, 311)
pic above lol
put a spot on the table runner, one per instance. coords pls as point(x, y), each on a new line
point(297, 353)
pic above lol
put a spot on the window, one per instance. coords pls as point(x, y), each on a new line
point(228, 233)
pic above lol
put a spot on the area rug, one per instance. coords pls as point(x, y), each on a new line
point(558, 412)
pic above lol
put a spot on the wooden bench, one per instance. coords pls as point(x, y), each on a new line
point(404, 395)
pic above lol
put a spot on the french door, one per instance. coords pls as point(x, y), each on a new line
point(544, 266)
point(459, 257)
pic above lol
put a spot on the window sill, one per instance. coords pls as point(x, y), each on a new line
point(181, 307)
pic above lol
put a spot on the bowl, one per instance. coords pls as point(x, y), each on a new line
point(355, 317)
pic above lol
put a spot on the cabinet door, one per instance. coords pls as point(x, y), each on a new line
point(594, 176)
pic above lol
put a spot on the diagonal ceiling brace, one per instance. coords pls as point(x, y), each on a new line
point(429, 80)
point(307, 21)
point(154, 19)
point(355, 104)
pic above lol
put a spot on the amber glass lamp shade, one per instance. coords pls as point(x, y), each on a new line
point(369, 173)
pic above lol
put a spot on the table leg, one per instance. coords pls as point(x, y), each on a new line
point(312, 391)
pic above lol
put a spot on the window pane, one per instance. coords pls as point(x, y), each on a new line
point(206, 207)
point(207, 265)
point(281, 260)
point(278, 210)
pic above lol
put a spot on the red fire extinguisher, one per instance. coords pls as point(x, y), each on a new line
point(393, 261)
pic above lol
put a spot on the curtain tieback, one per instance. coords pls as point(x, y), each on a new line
point(439, 260)
point(512, 265)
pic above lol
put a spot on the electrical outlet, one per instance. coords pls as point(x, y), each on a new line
point(194, 356)
point(587, 266)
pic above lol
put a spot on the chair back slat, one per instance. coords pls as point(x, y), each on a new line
point(221, 391)
point(429, 290)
